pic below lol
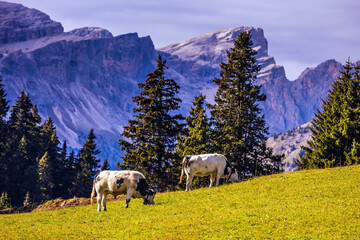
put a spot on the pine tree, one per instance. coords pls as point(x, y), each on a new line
point(87, 166)
point(239, 126)
point(49, 143)
point(196, 138)
point(105, 165)
point(46, 179)
point(71, 170)
point(336, 129)
point(22, 148)
point(198, 127)
point(151, 136)
point(4, 108)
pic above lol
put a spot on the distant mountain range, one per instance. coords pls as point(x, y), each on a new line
point(86, 78)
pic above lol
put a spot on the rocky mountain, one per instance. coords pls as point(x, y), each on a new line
point(85, 78)
point(289, 144)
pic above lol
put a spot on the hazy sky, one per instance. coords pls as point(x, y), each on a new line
point(300, 33)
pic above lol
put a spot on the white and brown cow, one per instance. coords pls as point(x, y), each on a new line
point(215, 165)
point(130, 183)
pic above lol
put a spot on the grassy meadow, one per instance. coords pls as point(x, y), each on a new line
point(315, 204)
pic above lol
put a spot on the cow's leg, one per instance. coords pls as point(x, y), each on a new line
point(103, 202)
point(212, 179)
point(99, 200)
point(129, 193)
point(218, 178)
point(189, 182)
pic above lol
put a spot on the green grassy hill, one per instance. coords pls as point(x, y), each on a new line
point(316, 204)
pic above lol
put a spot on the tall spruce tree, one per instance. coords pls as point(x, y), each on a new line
point(87, 166)
point(198, 127)
point(46, 179)
point(22, 148)
point(71, 170)
point(149, 140)
point(239, 125)
point(4, 108)
point(49, 144)
point(196, 138)
point(336, 129)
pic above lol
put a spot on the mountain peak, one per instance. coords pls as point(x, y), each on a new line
point(19, 23)
point(92, 32)
point(216, 42)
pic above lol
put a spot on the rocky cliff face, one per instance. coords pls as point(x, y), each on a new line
point(19, 23)
point(289, 103)
point(85, 78)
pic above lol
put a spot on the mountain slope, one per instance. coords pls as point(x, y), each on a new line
point(315, 204)
point(86, 78)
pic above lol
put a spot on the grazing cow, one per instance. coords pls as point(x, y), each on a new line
point(215, 165)
point(131, 183)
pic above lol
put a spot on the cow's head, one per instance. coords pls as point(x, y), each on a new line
point(149, 197)
point(233, 176)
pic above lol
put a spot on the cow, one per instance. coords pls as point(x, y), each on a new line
point(215, 165)
point(131, 183)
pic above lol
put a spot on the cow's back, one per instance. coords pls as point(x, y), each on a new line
point(119, 181)
point(205, 164)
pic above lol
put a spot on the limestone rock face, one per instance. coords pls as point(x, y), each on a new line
point(19, 23)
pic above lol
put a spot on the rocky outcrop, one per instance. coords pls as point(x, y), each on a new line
point(19, 23)
point(91, 32)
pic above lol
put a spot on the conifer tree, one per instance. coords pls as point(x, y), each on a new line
point(336, 129)
point(46, 179)
point(71, 170)
point(22, 148)
point(4, 108)
point(105, 165)
point(198, 127)
point(196, 138)
point(151, 136)
point(87, 166)
point(49, 143)
point(239, 125)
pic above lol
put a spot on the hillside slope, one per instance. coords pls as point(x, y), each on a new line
point(316, 204)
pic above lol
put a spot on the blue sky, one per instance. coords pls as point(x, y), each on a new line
point(300, 33)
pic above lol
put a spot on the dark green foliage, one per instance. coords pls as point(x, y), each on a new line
point(4, 108)
point(46, 179)
point(149, 140)
point(71, 168)
point(49, 143)
point(22, 149)
point(240, 130)
point(196, 138)
point(87, 166)
point(336, 129)
point(32, 165)
point(105, 165)
point(5, 201)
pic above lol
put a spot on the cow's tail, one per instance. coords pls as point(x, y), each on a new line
point(92, 194)
point(184, 163)
point(93, 191)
